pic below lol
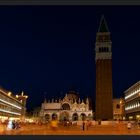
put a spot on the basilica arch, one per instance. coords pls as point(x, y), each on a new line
point(75, 117)
point(54, 116)
point(66, 106)
point(83, 116)
point(64, 116)
point(47, 117)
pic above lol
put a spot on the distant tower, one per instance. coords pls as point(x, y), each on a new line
point(23, 99)
point(103, 58)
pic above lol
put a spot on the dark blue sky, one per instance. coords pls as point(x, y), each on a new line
point(51, 49)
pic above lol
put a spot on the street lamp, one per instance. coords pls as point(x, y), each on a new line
point(9, 93)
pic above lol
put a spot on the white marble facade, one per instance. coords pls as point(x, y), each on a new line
point(69, 108)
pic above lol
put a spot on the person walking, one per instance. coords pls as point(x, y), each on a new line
point(83, 125)
point(87, 124)
point(54, 125)
point(10, 125)
point(129, 125)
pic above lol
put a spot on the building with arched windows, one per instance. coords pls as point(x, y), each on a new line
point(118, 109)
point(12, 106)
point(71, 107)
point(132, 102)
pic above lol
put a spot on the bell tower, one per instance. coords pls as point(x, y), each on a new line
point(103, 60)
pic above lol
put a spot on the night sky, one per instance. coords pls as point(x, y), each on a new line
point(50, 49)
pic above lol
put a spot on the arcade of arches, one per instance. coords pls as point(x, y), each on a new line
point(64, 115)
point(66, 109)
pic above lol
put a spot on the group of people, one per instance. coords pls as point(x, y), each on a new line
point(12, 124)
point(86, 125)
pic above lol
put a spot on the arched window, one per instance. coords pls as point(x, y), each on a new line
point(117, 106)
point(64, 116)
point(47, 117)
point(83, 116)
point(66, 106)
point(54, 116)
point(75, 117)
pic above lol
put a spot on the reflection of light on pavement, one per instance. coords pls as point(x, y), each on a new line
point(93, 130)
point(54, 124)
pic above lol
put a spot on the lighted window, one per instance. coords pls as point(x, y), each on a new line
point(117, 106)
point(103, 49)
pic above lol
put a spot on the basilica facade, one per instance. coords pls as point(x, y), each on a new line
point(71, 108)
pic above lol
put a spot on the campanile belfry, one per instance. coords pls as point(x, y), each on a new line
point(103, 59)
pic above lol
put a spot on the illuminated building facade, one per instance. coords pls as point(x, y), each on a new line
point(12, 107)
point(132, 102)
point(103, 59)
point(118, 109)
point(71, 107)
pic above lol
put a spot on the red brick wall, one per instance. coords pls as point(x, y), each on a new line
point(104, 92)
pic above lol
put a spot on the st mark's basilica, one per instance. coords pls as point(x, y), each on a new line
point(71, 108)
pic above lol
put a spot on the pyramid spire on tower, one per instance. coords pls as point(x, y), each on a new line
point(103, 25)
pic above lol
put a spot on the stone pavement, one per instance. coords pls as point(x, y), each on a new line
point(117, 129)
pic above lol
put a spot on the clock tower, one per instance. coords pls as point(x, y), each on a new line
point(103, 59)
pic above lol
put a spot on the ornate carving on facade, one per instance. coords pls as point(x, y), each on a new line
point(68, 108)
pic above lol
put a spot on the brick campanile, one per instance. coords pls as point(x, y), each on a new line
point(103, 59)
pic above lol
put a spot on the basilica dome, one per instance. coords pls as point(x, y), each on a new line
point(72, 95)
